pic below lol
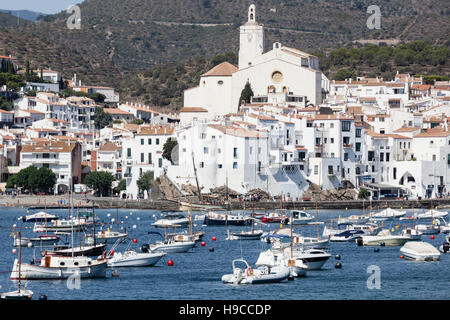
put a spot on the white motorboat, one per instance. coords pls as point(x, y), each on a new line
point(353, 219)
point(131, 258)
point(169, 245)
point(299, 217)
point(383, 238)
point(225, 219)
point(172, 221)
point(431, 214)
point(428, 228)
point(273, 258)
point(420, 251)
point(263, 274)
point(298, 239)
point(389, 214)
point(106, 236)
point(367, 228)
point(183, 237)
point(414, 234)
point(347, 235)
point(60, 267)
point(41, 216)
point(63, 225)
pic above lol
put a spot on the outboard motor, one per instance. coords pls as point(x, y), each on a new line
point(446, 247)
point(359, 241)
point(145, 248)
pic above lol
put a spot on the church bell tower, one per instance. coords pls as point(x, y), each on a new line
point(251, 42)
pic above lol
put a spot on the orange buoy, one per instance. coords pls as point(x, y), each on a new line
point(134, 240)
point(401, 257)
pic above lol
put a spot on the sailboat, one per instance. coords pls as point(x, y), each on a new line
point(245, 235)
point(19, 294)
point(61, 267)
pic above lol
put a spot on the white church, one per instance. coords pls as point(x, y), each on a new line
point(281, 75)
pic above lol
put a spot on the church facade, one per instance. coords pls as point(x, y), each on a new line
point(280, 76)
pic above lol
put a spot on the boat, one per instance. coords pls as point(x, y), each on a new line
point(41, 216)
point(244, 235)
point(19, 294)
point(347, 235)
point(40, 241)
point(388, 214)
point(78, 224)
point(412, 233)
point(353, 219)
point(171, 221)
point(420, 251)
point(275, 217)
point(60, 267)
point(106, 236)
point(131, 258)
point(186, 206)
point(383, 238)
point(220, 219)
point(428, 228)
point(83, 250)
point(263, 274)
point(431, 214)
point(300, 217)
point(445, 247)
point(273, 258)
point(169, 245)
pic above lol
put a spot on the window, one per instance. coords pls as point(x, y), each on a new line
point(331, 140)
point(324, 140)
point(394, 172)
point(202, 164)
point(387, 156)
point(331, 125)
point(371, 156)
point(203, 135)
point(235, 154)
point(346, 156)
point(316, 169)
point(358, 146)
point(150, 157)
point(382, 156)
point(317, 141)
point(358, 133)
point(330, 169)
point(160, 162)
point(235, 165)
point(142, 158)
point(251, 150)
point(219, 150)
point(128, 152)
point(346, 140)
point(219, 166)
point(346, 126)
point(142, 141)
point(205, 150)
point(157, 141)
point(358, 170)
point(434, 157)
point(259, 150)
point(150, 141)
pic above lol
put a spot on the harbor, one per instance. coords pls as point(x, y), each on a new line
point(198, 272)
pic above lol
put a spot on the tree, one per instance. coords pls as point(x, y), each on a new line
point(363, 194)
point(101, 118)
point(122, 186)
point(42, 180)
point(246, 94)
point(100, 181)
point(145, 181)
point(168, 147)
point(343, 74)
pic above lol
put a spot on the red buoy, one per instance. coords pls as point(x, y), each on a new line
point(203, 244)
point(432, 237)
point(213, 239)
point(401, 257)
point(134, 240)
point(170, 263)
point(111, 252)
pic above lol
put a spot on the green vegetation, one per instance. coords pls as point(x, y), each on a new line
point(168, 147)
point(246, 94)
point(97, 97)
point(101, 118)
point(100, 181)
point(122, 186)
point(363, 194)
point(145, 182)
point(137, 121)
point(33, 179)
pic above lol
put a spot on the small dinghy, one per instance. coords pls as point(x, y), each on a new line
point(263, 274)
point(39, 217)
point(21, 294)
point(171, 221)
point(420, 251)
point(244, 235)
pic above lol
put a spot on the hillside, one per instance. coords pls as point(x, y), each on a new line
point(25, 14)
point(119, 41)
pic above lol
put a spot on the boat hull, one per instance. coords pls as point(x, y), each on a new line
point(176, 247)
point(376, 241)
point(136, 260)
point(229, 222)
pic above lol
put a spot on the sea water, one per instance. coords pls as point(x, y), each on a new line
point(197, 274)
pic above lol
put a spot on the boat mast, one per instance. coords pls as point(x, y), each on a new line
point(70, 206)
point(79, 223)
point(20, 256)
point(93, 222)
point(117, 218)
point(196, 179)
point(317, 219)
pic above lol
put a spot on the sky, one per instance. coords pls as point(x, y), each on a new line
point(43, 6)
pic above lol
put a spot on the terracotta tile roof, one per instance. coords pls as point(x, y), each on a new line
point(386, 136)
point(223, 69)
point(430, 133)
point(407, 129)
point(155, 130)
point(116, 111)
point(52, 146)
point(262, 117)
point(193, 109)
point(108, 147)
point(238, 131)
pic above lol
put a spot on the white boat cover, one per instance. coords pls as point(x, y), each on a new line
point(388, 212)
point(420, 247)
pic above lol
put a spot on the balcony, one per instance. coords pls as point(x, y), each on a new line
point(347, 145)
